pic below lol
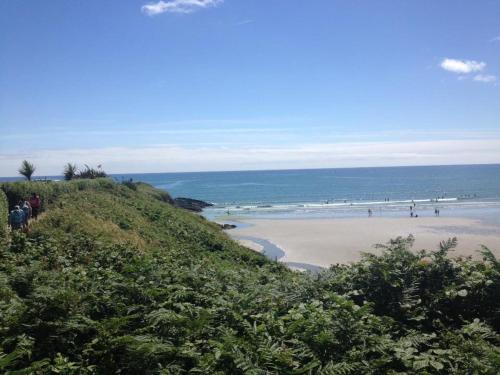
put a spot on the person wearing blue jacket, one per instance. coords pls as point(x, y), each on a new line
point(16, 218)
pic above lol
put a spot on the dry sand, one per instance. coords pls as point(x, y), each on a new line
point(328, 241)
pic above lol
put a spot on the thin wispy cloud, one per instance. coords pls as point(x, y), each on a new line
point(173, 158)
point(178, 6)
point(243, 22)
point(462, 66)
point(486, 78)
point(497, 39)
point(326, 133)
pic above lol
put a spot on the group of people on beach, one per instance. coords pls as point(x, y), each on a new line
point(413, 205)
point(24, 211)
point(413, 212)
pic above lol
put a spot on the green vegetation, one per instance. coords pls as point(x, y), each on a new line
point(4, 212)
point(70, 171)
point(114, 279)
point(91, 173)
point(27, 169)
point(50, 191)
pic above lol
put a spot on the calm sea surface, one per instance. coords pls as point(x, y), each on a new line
point(455, 190)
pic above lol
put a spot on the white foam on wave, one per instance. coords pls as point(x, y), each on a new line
point(343, 206)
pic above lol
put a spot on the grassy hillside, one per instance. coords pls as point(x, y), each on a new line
point(112, 279)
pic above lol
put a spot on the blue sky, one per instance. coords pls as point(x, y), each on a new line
point(188, 85)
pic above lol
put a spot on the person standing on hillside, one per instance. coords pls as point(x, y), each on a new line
point(16, 218)
point(36, 204)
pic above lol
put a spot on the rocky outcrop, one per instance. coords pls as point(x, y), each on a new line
point(191, 204)
point(227, 226)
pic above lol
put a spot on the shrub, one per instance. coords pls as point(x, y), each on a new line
point(70, 171)
point(91, 173)
point(130, 184)
point(4, 212)
point(114, 280)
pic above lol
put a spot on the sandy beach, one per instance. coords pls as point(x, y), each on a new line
point(323, 242)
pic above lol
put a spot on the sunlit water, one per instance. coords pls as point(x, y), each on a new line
point(468, 190)
point(471, 190)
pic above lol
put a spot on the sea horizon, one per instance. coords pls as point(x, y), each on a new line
point(459, 190)
point(117, 174)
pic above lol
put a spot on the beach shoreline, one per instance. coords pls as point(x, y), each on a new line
point(323, 242)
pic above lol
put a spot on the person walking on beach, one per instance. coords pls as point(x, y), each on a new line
point(36, 204)
point(16, 218)
point(370, 213)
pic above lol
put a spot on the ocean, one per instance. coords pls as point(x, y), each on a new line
point(462, 190)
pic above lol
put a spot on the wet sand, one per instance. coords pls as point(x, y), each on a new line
point(323, 242)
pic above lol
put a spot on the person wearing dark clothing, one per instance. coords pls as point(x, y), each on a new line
point(36, 204)
point(16, 218)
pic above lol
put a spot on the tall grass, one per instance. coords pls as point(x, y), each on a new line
point(49, 190)
point(90, 173)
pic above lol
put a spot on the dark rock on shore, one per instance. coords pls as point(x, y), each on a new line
point(227, 226)
point(191, 204)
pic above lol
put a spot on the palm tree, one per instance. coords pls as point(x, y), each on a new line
point(27, 169)
point(69, 171)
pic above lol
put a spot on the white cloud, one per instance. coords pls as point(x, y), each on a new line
point(462, 66)
point(485, 78)
point(178, 6)
point(171, 158)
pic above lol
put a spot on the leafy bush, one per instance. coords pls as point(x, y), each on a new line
point(91, 173)
point(70, 171)
point(425, 289)
point(113, 280)
point(130, 184)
